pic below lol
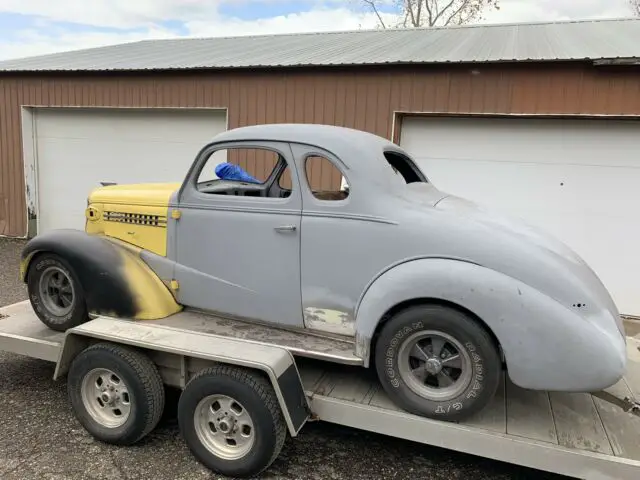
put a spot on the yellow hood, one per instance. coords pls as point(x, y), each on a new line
point(151, 194)
point(136, 214)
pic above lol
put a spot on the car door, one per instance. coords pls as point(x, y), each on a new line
point(337, 260)
point(238, 242)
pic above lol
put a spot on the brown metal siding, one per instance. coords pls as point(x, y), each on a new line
point(363, 98)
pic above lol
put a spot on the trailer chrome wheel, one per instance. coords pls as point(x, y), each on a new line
point(106, 397)
point(224, 426)
point(116, 393)
point(434, 365)
point(231, 420)
point(437, 362)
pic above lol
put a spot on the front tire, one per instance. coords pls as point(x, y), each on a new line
point(437, 362)
point(231, 420)
point(55, 293)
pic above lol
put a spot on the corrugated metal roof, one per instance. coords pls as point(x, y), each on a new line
point(578, 40)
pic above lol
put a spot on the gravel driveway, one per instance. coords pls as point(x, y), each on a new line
point(40, 439)
point(11, 289)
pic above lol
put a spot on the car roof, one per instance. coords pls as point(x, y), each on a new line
point(359, 151)
point(301, 133)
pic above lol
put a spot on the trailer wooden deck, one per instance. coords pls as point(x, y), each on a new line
point(567, 433)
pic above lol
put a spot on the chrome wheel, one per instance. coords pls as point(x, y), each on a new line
point(224, 427)
point(106, 397)
point(56, 291)
point(434, 365)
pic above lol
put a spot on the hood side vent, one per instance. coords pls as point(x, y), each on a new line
point(136, 219)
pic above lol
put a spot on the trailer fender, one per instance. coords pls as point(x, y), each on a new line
point(276, 363)
point(519, 316)
point(114, 278)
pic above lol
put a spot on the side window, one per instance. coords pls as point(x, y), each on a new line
point(325, 180)
point(285, 179)
point(247, 172)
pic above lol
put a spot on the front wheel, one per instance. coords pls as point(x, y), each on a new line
point(55, 293)
point(437, 362)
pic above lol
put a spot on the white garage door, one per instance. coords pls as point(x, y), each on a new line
point(577, 179)
point(76, 149)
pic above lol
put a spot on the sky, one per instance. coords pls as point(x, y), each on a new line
point(35, 27)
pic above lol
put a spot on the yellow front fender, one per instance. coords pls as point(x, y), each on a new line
point(113, 277)
point(153, 299)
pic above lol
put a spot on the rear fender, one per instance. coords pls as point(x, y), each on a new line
point(536, 333)
point(114, 278)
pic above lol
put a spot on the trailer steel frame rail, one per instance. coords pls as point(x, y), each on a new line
point(574, 434)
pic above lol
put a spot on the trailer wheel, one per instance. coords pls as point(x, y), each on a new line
point(116, 392)
point(231, 421)
point(437, 362)
point(55, 293)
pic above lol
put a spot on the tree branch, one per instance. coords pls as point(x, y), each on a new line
point(372, 4)
point(417, 13)
point(463, 5)
point(449, 5)
point(407, 6)
point(429, 8)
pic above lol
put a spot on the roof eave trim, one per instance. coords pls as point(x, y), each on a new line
point(316, 65)
point(618, 61)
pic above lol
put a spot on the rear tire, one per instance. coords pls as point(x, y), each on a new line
point(55, 293)
point(437, 362)
point(231, 420)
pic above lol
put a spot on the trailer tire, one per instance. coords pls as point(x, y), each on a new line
point(116, 393)
point(55, 292)
point(231, 420)
point(452, 384)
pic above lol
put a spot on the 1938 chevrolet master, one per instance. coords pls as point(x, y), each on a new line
point(435, 293)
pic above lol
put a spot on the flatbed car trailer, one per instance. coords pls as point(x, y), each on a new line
point(574, 434)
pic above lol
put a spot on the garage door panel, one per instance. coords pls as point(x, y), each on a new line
point(126, 124)
point(130, 162)
point(584, 142)
point(78, 148)
point(577, 180)
point(567, 188)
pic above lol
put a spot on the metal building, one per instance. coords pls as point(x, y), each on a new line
point(537, 120)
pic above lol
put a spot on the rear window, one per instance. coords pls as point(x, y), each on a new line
point(404, 167)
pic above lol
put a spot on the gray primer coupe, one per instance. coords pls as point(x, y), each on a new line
point(437, 292)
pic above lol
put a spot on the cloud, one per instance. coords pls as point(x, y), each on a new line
point(72, 24)
point(33, 42)
point(556, 10)
point(113, 13)
point(314, 20)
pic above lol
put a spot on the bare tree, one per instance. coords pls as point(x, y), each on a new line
point(431, 13)
point(635, 7)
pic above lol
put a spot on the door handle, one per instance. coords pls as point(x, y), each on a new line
point(286, 228)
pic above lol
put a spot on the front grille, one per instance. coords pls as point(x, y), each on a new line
point(136, 219)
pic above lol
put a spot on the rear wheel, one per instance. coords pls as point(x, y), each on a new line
point(55, 293)
point(437, 362)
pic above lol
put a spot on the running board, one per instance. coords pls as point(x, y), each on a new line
point(298, 343)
